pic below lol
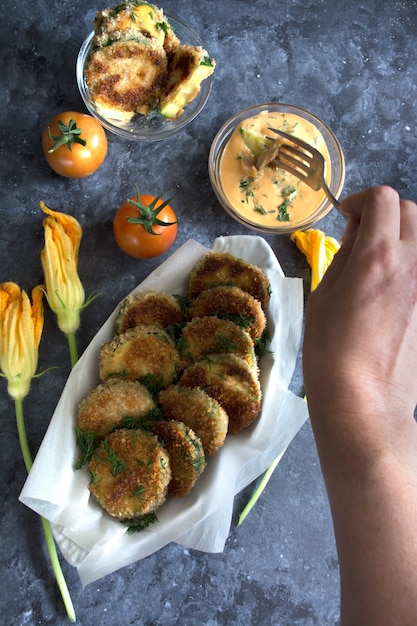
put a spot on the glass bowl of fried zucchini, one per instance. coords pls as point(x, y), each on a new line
point(143, 75)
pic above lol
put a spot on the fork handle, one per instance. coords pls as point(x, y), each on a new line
point(331, 197)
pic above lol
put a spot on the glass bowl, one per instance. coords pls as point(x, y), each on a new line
point(153, 127)
point(314, 212)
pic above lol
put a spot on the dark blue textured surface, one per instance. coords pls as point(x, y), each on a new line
point(354, 64)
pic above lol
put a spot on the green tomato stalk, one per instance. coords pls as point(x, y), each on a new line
point(148, 214)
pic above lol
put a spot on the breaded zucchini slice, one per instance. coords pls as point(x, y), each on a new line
point(148, 307)
point(231, 381)
point(130, 15)
point(130, 473)
point(222, 268)
point(186, 455)
point(187, 70)
point(126, 76)
point(111, 403)
point(213, 335)
point(230, 303)
point(199, 411)
point(138, 353)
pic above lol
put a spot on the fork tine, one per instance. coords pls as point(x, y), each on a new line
point(290, 152)
point(299, 165)
point(298, 173)
point(291, 138)
point(304, 170)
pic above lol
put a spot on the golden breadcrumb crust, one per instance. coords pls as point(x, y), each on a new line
point(199, 411)
point(186, 455)
point(213, 335)
point(231, 381)
point(148, 307)
point(126, 75)
point(138, 353)
point(109, 404)
point(222, 268)
point(130, 473)
point(230, 303)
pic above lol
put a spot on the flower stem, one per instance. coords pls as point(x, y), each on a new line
point(22, 434)
point(72, 348)
point(56, 566)
point(50, 544)
point(259, 490)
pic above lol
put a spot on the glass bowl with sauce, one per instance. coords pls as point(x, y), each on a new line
point(152, 127)
point(271, 200)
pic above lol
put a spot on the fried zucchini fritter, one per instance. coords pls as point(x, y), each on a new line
point(186, 455)
point(138, 353)
point(231, 381)
point(137, 64)
point(231, 303)
point(187, 70)
point(213, 335)
point(222, 268)
point(130, 473)
point(126, 76)
point(108, 405)
point(148, 307)
point(129, 16)
point(199, 411)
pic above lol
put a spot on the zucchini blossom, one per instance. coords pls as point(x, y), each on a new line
point(21, 325)
point(59, 257)
point(319, 250)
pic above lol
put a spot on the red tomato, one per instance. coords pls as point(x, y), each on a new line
point(145, 226)
point(74, 144)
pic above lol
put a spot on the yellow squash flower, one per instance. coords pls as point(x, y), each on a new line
point(59, 257)
point(21, 325)
point(318, 249)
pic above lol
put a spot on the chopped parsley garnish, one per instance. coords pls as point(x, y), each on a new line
point(153, 383)
point(88, 442)
point(288, 193)
point(245, 186)
point(141, 523)
point(117, 464)
point(164, 27)
point(207, 61)
point(283, 215)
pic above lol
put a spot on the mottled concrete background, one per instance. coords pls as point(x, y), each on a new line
point(354, 64)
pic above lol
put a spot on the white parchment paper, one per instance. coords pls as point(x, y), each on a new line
point(88, 537)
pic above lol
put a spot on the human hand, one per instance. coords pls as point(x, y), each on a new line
point(360, 357)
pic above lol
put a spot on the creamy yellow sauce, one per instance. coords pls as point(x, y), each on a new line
point(262, 197)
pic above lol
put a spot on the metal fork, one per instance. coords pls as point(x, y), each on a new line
point(305, 162)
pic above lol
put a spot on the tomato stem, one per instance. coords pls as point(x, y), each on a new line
point(148, 213)
point(70, 134)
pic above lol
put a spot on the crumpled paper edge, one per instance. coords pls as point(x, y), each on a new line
point(98, 545)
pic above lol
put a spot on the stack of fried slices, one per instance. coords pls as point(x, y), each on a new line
point(138, 65)
point(177, 377)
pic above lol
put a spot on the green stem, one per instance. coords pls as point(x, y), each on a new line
point(72, 348)
point(56, 566)
point(259, 490)
point(50, 544)
point(22, 434)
